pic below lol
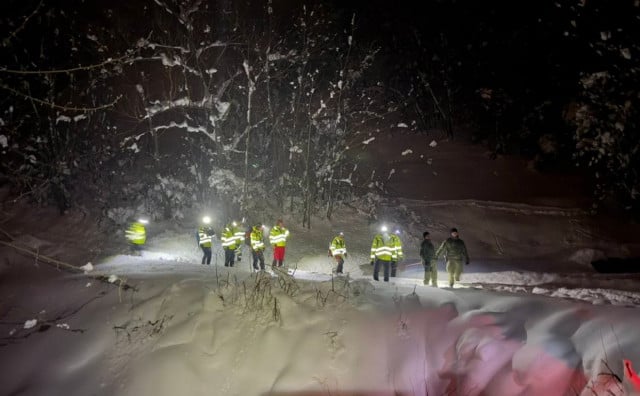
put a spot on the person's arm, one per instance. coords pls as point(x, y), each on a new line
point(440, 249)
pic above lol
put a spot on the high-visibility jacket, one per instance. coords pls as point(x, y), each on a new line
point(338, 246)
point(257, 239)
point(228, 238)
point(204, 236)
point(278, 236)
point(397, 243)
point(383, 250)
point(239, 234)
point(136, 233)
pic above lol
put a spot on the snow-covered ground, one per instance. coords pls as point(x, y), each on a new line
point(531, 317)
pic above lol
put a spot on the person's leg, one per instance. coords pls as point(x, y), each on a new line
point(208, 255)
point(427, 272)
point(394, 267)
point(376, 268)
point(386, 265)
point(458, 270)
point(227, 257)
point(340, 264)
point(434, 273)
point(450, 269)
point(232, 257)
point(261, 258)
point(278, 255)
point(204, 254)
point(254, 255)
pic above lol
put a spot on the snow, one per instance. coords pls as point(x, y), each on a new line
point(31, 323)
point(530, 316)
point(189, 328)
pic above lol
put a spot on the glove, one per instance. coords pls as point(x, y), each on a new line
point(371, 262)
point(329, 254)
point(467, 262)
point(345, 255)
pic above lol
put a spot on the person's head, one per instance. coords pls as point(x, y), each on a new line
point(257, 227)
point(341, 234)
point(280, 223)
point(454, 232)
point(425, 235)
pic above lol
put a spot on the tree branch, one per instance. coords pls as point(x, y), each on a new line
point(55, 106)
point(13, 34)
point(60, 71)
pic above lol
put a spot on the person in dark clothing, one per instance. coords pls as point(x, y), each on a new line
point(455, 252)
point(429, 262)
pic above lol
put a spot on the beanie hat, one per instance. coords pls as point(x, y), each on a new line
point(424, 234)
point(454, 230)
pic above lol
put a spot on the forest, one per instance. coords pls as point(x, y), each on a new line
point(155, 106)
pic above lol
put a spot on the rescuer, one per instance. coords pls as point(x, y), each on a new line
point(338, 250)
point(397, 243)
point(455, 254)
point(229, 244)
point(278, 238)
point(205, 236)
point(257, 246)
point(137, 235)
point(383, 252)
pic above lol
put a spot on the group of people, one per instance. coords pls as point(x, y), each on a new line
point(234, 236)
point(386, 249)
point(453, 249)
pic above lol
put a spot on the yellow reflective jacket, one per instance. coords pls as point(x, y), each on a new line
point(136, 233)
point(278, 236)
point(383, 251)
point(228, 238)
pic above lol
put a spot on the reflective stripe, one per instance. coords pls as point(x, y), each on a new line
point(226, 242)
point(239, 235)
point(278, 236)
point(204, 238)
point(228, 239)
point(382, 250)
point(338, 251)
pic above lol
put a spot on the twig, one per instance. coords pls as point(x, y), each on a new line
point(24, 23)
point(55, 106)
point(61, 264)
point(70, 70)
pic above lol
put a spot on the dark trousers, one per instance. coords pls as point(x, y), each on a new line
point(376, 269)
point(340, 261)
point(229, 257)
point(258, 256)
point(206, 254)
point(394, 268)
point(137, 249)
